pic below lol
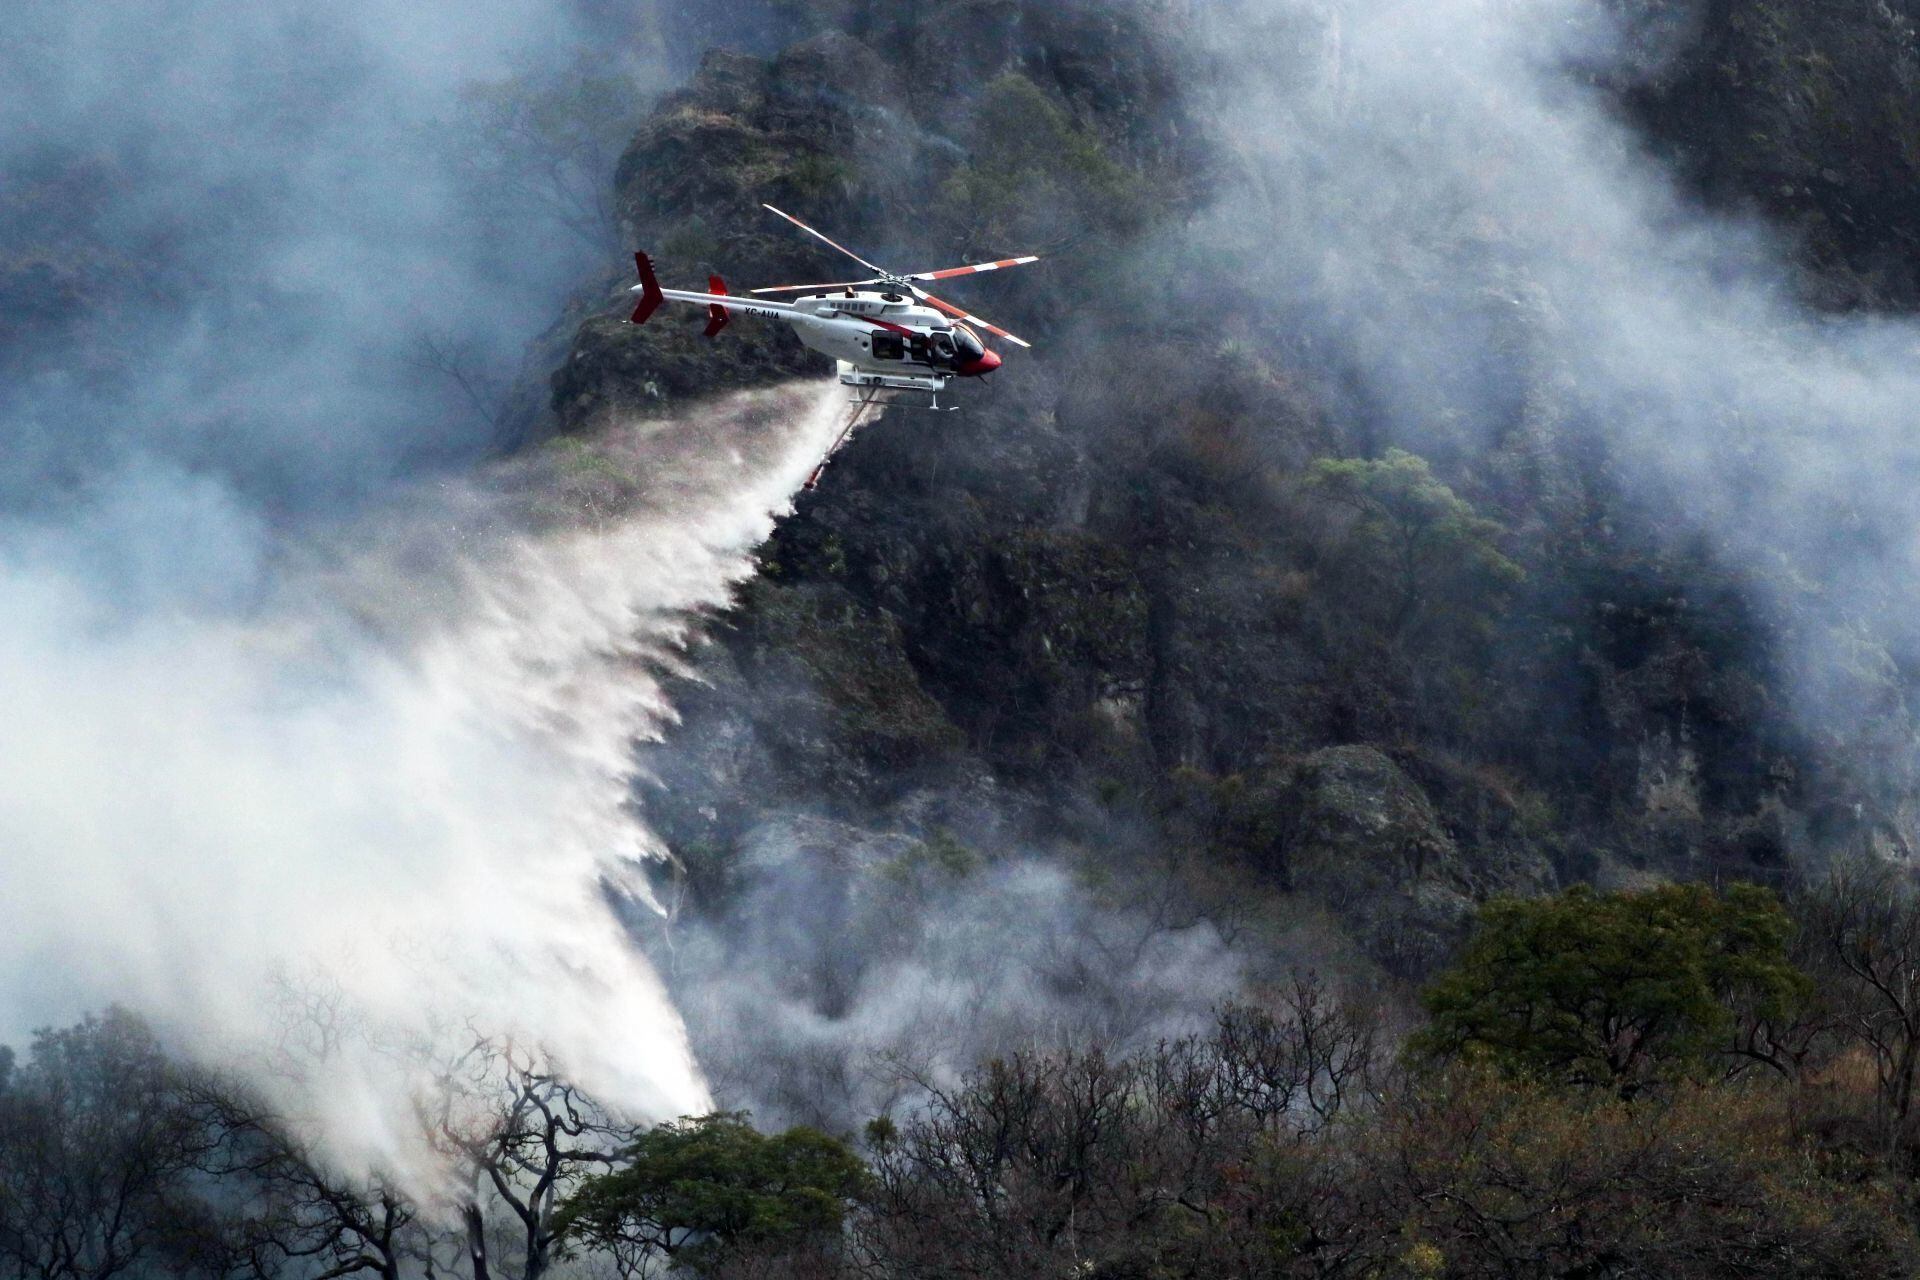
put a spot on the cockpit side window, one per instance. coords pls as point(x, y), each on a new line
point(942, 345)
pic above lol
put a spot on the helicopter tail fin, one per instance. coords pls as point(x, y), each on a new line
point(650, 295)
point(716, 314)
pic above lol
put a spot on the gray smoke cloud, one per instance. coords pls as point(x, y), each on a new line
point(1445, 201)
point(857, 968)
point(280, 708)
point(233, 232)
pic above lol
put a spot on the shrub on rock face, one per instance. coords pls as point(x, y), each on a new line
point(1614, 990)
point(1036, 177)
point(1425, 548)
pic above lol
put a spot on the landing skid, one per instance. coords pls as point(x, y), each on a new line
point(864, 380)
point(933, 403)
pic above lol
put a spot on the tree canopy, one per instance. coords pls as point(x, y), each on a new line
point(694, 1188)
point(1616, 989)
point(1422, 539)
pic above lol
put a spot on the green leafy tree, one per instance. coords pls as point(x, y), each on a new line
point(702, 1190)
point(1422, 540)
point(1615, 990)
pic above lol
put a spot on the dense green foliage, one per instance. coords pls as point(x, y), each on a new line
point(1037, 178)
point(705, 1187)
point(1614, 990)
point(1421, 543)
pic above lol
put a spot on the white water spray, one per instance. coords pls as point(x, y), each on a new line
point(396, 790)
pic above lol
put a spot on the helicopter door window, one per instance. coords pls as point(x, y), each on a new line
point(888, 346)
point(942, 346)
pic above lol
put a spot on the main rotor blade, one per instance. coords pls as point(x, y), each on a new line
point(959, 314)
point(816, 235)
point(951, 272)
point(801, 288)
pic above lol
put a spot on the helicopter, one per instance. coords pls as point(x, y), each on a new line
point(875, 329)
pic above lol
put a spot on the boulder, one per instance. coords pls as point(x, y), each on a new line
point(1366, 839)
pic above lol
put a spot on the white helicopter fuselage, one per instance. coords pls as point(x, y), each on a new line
point(878, 335)
point(877, 338)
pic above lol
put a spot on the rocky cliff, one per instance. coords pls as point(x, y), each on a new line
point(1112, 606)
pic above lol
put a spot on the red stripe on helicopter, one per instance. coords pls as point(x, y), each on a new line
point(881, 324)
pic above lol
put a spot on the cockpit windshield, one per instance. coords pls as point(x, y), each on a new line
point(970, 346)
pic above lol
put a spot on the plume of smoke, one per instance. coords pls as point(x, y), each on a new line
point(857, 969)
point(253, 241)
point(1446, 198)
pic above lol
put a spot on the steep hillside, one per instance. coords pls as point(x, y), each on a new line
point(1383, 746)
point(1116, 603)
